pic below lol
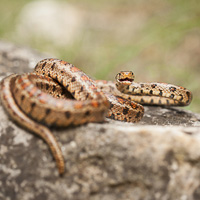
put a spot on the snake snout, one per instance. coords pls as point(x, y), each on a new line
point(125, 77)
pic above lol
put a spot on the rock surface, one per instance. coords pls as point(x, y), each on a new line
point(158, 158)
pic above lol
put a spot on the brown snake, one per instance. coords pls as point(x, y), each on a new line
point(59, 94)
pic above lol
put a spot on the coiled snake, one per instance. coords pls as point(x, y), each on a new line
point(59, 94)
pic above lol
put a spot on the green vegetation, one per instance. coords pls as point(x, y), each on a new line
point(162, 43)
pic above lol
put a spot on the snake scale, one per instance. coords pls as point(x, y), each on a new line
point(59, 94)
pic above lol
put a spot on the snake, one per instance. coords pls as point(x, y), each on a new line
point(58, 94)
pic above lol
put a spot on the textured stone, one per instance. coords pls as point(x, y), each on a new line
point(157, 158)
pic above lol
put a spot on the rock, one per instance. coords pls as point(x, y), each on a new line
point(51, 21)
point(17, 59)
point(157, 158)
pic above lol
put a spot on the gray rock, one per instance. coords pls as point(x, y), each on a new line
point(51, 21)
point(157, 158)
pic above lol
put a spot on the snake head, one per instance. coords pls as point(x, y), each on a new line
point(125, 77)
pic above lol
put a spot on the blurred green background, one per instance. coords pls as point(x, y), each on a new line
point(158, 40)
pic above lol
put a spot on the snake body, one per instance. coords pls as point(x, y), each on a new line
point(147, 93)
point(59, 94)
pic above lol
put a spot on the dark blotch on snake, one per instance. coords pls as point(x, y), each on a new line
point(167, 101)
point(125, 120)
point(87, 95)
point(160, 93)
point(66, 87)
point(151, 92)
point(52, 66)
point(153, 85)
point(173, 89)
point(47, 86)
point(61, 81)
point(73, 79)
point(40, 85)
point(87, 113)
point(43, 65)
point(47, 111)
point(16, 90)
point(188, 95)
point(111, 105)
point(151, 101)
point(172, 96)
point(62, 92)
point(112, 116)
point(22, 98)
point(33, 105)
point(138, 115)
point(73, 93)
point(54, 88)
point(125, 111)
point(67, 114)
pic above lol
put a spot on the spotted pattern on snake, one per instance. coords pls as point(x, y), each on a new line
point(59, 94)
point(146, 93)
